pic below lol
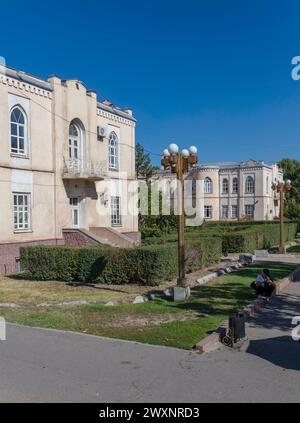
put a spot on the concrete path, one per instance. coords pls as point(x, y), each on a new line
point(48, 365)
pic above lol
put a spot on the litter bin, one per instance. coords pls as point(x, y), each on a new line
point(237, 326)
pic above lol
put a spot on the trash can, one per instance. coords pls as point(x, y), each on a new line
point(237, 326)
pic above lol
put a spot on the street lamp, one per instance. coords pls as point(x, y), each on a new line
point(282, 188)
point(179, 162)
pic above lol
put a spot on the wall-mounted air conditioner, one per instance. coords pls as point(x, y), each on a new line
point(101, 133)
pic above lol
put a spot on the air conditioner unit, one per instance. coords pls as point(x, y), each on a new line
point(101, 133)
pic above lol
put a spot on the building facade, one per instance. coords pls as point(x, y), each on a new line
point(59, 149)
point(234, 191)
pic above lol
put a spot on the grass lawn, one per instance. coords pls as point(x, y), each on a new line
point(156, 322)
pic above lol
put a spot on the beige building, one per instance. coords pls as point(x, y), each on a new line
point(235, 191)
point(60, 148)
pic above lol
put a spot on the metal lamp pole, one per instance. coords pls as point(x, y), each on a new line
point(179, 163)
point(282, 188)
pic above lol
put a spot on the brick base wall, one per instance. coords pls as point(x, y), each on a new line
point(77, 239)
point(10, 253)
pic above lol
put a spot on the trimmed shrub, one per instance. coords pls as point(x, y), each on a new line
point(49, 262)
point(147, 265)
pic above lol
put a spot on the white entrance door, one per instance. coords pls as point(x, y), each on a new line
point(75, 211)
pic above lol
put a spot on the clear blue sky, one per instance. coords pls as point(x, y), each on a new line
point(213, 73)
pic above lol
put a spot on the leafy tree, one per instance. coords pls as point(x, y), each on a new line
point(291, 170)
point(143, 166)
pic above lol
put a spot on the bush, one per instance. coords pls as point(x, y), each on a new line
point(49, 263)
point(147, 265)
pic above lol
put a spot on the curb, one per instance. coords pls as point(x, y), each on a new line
point(212, 341)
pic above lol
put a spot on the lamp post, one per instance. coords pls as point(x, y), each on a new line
point(282, 188)
point(179, 162)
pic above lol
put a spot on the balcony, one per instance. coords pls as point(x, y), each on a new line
point(87, 170)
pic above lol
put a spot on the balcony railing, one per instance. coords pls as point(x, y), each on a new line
point(84, 169)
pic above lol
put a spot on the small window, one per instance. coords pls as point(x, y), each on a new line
point(113, 151)
point(249, 210)
point(234, 212)
point(18, 132)
point(235, 185)
point(267, 185)
point(225, 186)
point(224, 212)
point(207, 212)
point(115, 211)
point(249, 185)
point(22, 212)
point(207, 186)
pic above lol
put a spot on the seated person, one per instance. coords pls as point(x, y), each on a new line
point(263, 284)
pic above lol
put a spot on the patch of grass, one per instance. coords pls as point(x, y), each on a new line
point(156, 322)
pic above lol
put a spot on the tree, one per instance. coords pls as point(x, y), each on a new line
point(291, 170)
point(143, 166)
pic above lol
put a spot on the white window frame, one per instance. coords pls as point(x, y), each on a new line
point(247, 208)
point(235, 186)
point(113, 151)
point(115, 202)
point(18, 151)
point(225, 186)
point(235, 214)
point(223, 209)
point(21, 212)
point(208, 186)
point(249, 185)
point(208, 215)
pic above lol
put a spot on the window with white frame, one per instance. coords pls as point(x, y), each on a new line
point(249, 185)
point(224, 212)
point(113, 158)
point(208, 186)
point(249, 210)
point(234, 212)
point(115, 211)
point(267, 185)
point(22, 211)
point(18, 131)
point(207, 212)
point(235, 185)
point(225, 186)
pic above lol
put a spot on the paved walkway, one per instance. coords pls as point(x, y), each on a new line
point(48, 365)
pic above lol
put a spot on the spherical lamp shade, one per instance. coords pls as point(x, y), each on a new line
point(185, 153)
point(166, 152)
point(289, 182)
point(173, 148)
point(193, 150)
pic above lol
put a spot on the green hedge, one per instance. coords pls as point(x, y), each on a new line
point(147, 265)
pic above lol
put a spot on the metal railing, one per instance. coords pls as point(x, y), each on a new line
point(85, 168)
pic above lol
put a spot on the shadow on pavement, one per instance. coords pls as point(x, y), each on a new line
point(281, 351)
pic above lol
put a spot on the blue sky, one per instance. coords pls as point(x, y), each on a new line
point(213, 73)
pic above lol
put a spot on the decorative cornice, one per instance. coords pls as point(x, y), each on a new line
point(24, 86)
point(114, 117)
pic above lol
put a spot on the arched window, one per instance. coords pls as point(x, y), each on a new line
point(207, 185)
point(225, 186)
point(113, 151)
point(18, 131)
point(74, 141)
point(249, 186)
point(235, 185)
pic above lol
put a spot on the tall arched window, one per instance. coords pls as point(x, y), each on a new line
point(207, 185)
point(249, 185)
point(267, 185)
point(18, 131)
point(225, 186)
point(235, 185)
point(113, 151)
point(74, 141)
